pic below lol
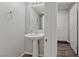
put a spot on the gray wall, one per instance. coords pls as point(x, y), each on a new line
point(78, 29)
point(12, 28)
point(73, 27)
point(27, 18)
point(62, 25)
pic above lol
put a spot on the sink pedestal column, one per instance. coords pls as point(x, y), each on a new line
point(35, 48)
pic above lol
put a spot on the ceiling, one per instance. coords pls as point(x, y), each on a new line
point(65, 5)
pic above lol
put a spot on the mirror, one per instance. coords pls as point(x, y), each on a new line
point(36, 16)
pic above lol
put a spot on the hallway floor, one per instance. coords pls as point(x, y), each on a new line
point(65, 50)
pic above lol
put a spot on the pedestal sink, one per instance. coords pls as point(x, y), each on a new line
point(35, 37)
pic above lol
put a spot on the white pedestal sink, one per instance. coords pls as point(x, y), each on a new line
point(35, 37)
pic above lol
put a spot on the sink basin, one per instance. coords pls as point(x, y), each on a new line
point(35, 36)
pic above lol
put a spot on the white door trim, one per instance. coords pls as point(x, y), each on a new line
point(50, 47)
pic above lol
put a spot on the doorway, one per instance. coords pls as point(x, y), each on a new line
point(67, 33)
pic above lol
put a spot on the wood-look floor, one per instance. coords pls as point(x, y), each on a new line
point(63, 50)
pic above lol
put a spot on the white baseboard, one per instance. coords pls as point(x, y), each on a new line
point(21, 54)
point(29, 54)
point(64, 40)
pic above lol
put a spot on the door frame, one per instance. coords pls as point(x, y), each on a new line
point(50, 42)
